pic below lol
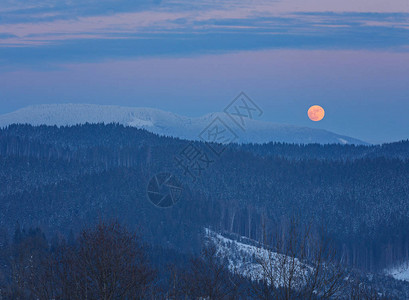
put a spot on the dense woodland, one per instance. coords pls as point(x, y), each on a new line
point(62, 180)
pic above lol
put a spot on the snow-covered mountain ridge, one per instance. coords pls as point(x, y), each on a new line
point(167, 123)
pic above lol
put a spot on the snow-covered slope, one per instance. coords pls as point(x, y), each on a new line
point(252, 261)
point(400, 272)
point(166, 123)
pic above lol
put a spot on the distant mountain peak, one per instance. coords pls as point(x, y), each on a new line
point(168, 123)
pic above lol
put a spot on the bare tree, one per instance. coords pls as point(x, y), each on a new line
point(359, 291)
point(299, 265)
point(208, 277)
point(40, 276)
point(25, 261)
point(108, 263)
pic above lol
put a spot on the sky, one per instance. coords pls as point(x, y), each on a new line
point(193, 57)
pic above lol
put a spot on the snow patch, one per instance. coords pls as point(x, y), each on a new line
point(400, 273)
point(343, 141)
point(247, 260)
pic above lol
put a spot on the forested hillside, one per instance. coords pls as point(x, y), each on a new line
point(62, 179)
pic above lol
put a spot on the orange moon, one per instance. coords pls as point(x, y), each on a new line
point(316, 113)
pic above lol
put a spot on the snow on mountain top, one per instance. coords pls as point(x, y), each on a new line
point(167, 123)
point(73, 114)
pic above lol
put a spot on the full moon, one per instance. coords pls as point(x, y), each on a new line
point(316, 113)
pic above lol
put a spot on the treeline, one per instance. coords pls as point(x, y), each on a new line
point(87, 141)
point(108, 261)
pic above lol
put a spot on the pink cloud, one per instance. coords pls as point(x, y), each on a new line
point(163, 19)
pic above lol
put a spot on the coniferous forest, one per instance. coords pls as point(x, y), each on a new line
point(74, 205)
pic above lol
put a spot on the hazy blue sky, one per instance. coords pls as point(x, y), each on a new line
point(193, 57)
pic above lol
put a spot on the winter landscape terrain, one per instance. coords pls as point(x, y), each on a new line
point(169, 124)
point(332, 217)
point(204, 150)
